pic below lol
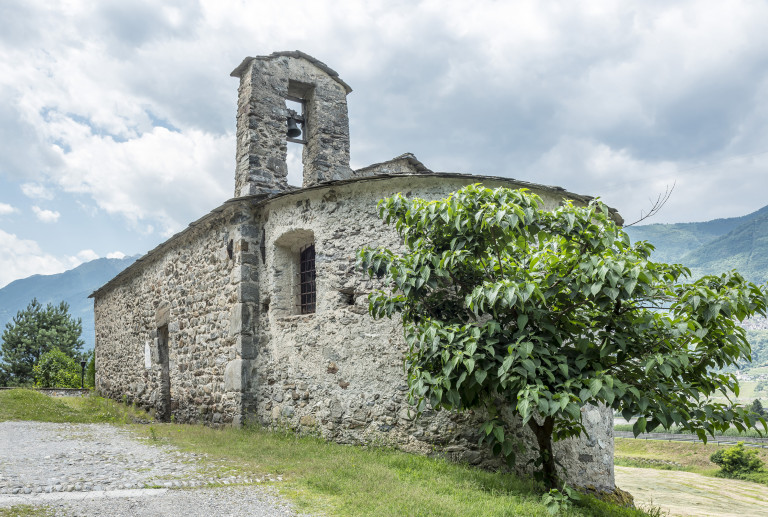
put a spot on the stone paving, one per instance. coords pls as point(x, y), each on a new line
point(81, 466)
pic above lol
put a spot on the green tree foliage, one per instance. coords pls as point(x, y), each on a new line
point(33, 332)
point(507, 305)
point(736, 461)
point(90, 372)
point(757, 408)
point(55, 369)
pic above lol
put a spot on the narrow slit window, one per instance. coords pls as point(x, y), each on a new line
point(307, 292)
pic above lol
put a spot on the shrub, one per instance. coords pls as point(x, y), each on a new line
point(736, 461)
point(90, 372)
point(56, 370)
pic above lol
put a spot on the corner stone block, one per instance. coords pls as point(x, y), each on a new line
point(233, 376)
point(240, 321)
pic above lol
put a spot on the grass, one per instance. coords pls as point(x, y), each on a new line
point(325, 477)
point(21, 404)
point(346, 480)
point(687, 456)
point(25, 510)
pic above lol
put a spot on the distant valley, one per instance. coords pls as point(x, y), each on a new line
point(712, 247)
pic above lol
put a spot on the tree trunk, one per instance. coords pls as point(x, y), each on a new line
point(543, 435)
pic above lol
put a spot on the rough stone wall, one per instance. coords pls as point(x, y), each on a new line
point(191, 284)
point(338, 372)
point(265, 83)
point(226, 289)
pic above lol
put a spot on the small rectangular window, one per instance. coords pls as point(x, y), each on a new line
point(307, 292)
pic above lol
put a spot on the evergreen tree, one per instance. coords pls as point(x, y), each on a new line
point(33, 332)
point(757, 407)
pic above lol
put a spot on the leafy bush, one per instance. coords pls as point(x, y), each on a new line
point(56, 370)
point(736, 461)
point(90, 372)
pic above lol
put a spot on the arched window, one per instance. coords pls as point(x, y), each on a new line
point(307, 292)
point(294, 289)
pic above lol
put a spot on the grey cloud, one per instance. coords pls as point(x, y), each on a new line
point(131, 25)
point(24, 154)
point(187, 94)
point(20, 27)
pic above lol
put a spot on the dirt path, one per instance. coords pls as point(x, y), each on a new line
point(688, 494)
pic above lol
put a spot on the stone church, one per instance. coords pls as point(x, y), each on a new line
point(256, 312)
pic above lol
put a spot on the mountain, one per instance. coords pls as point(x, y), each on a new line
point(744, 248)
point(71, 286)
point(712, 247)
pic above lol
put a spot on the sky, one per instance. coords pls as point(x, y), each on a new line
point(117, 118)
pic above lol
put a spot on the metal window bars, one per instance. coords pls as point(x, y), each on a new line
point(307, 292)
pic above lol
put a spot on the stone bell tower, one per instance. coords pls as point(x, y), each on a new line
point(266, 83)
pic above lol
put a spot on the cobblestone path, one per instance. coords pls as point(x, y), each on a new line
point(99, 469)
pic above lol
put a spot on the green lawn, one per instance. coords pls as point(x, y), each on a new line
point(688, 456)
point(324, 477)
point(22, 404)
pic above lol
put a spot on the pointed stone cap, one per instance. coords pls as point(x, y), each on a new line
point(237, 72)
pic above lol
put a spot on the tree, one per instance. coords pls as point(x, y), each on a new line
point(90, 371)
point(33, 332)
point(757, 408)
point(507, 305)
point(55, 369)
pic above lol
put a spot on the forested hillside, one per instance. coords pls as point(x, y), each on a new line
point(713, 246)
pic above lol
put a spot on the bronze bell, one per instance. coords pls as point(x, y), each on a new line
point(293, 129)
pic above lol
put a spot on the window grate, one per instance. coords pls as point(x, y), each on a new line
point(307, 293)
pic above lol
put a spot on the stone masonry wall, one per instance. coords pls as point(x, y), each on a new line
point(193, 287)
point(340, 373)
point(238, 350)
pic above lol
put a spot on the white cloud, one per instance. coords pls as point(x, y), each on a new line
point(46, 216)
point(6, 209)
point(115, 255)
point(20, 258)
point(634, 90)
point(36, 191)
point(631, 184)
point(87, 255)
point(163, 176)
